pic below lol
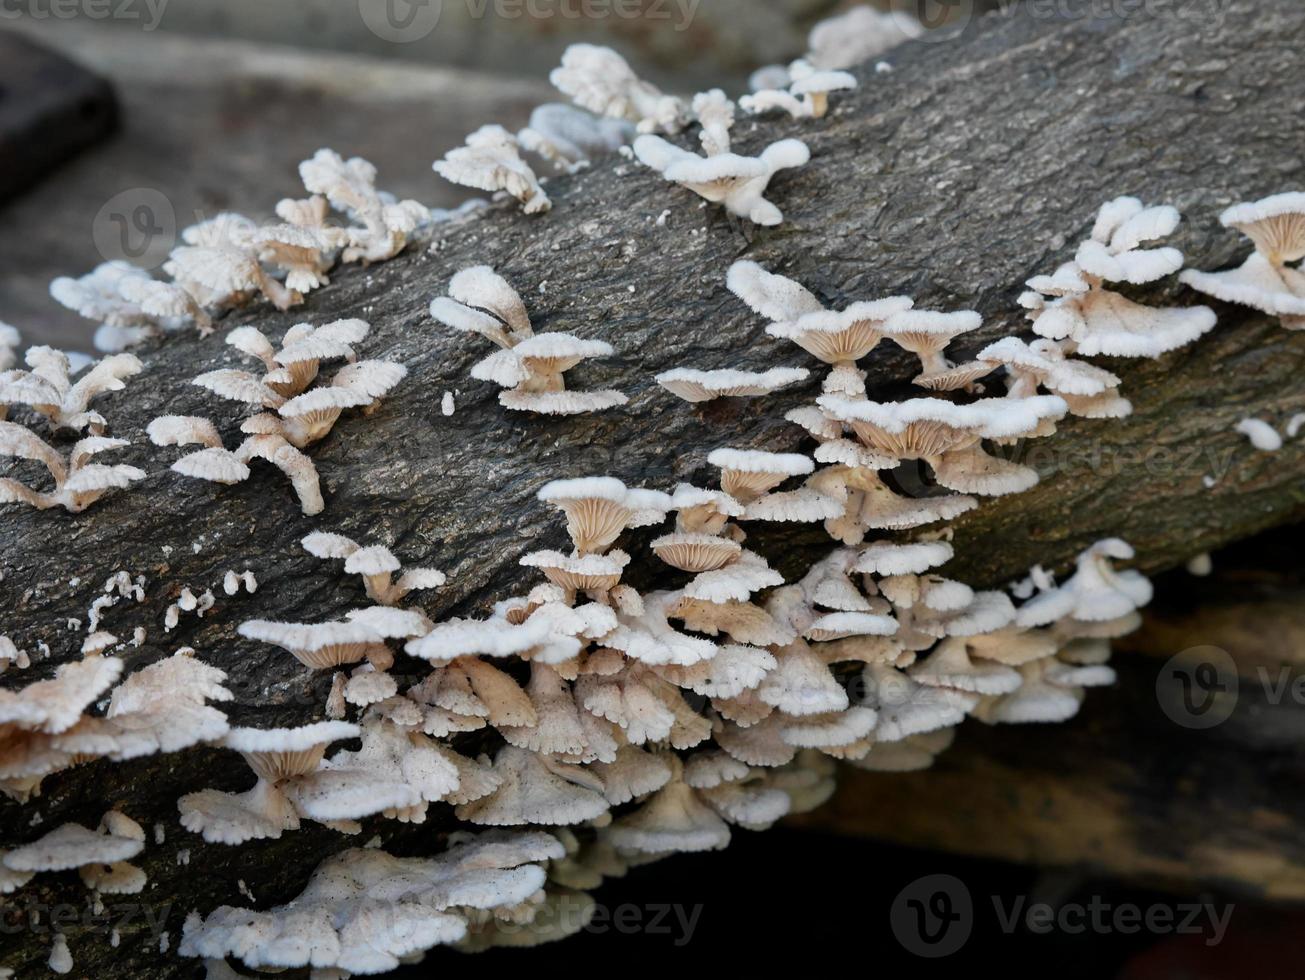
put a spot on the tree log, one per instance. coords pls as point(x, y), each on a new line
point(974, 164)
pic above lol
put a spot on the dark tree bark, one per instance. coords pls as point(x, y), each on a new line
point(976, 163)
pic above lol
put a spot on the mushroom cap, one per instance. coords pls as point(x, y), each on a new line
point(372, 560)
point(991, 418)
point(581, 573)
point(323, 544)
point(762, 463)
point(699, 386)
point(561, 402)
point(886, 558)
point(71, 846)
point(696, 552)
point(773, 296)
point(823, 81)
point(316, 645)
point(837, 625)
point(301, 739)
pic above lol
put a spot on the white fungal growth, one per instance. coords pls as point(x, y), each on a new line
point(128, 304)
point(570, 138)
point(382, 227)
point(529, 365)
point(1074, 307)
point(1201, 565)
point(600, 80)
point(737, 182)
point(296, 414)
point(491, 161)
point(1261, 434)
point(48, 387)
point(1271, 279)
point(447, 405)
point(10, 340)
point(803, 94)
point(78, 481)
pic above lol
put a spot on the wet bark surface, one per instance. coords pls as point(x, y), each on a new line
point(975, 163)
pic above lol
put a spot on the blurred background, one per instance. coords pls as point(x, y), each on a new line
point(211, 104)
point(192, 107)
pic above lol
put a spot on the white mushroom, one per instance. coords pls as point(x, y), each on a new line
point(491, 161)
point(600, 80)
point(1267, 280)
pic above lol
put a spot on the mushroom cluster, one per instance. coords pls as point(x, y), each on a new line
point(45, 727)
point(296, 410)
point(529, 366)
point(225, 262)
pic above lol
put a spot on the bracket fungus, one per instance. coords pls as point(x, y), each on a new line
point(100, 856)
point(129, 305)
point(1268, 280)
point(1074, 306)
point(491, 161)
point(600, 80)
point(529, 365)
point(376, 565)
point(365, 911)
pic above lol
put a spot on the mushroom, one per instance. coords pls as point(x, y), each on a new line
point(276, 755)
point(1074, 307)
point(673, 821)
point(536, 790)
point(570, 138)
point(1095, 593)
point(491, 161)
point(376, 566)
point(1089, 391)
point(736, 181)
point(703, 386)
point(1261, 434)
point(857, 35)
point(530, 366)
point(804, 93)
point(100, 855)
point(101, 296)
point(1265, 281)
point(599, 509)
point(748, 475)
point(839, 339)
point(364, 911)
point(383, 226)
point(78, 482)
point(948, 436)
point(322, 646)
point(926, 334)
point(48, 387)
point(600, 80)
